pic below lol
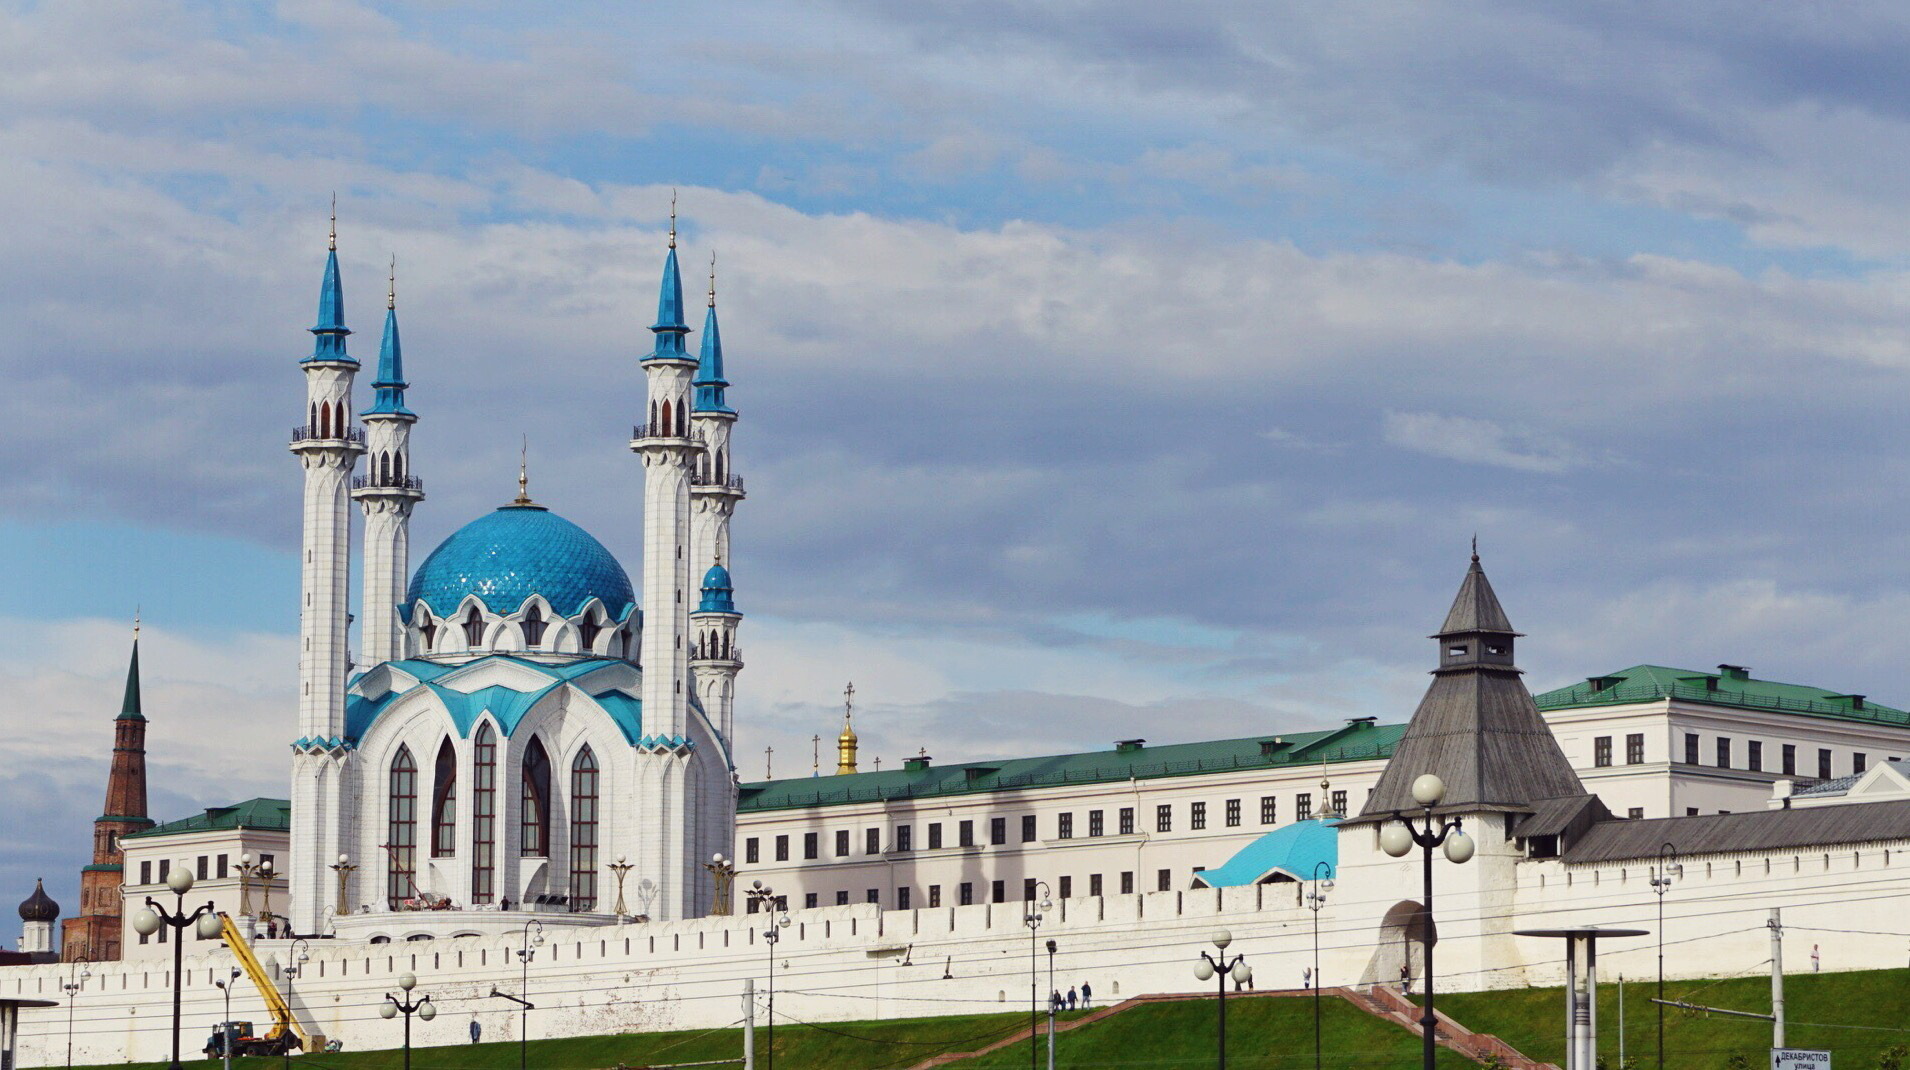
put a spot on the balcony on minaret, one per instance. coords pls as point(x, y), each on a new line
point(710, 484)
point(385, 482)
point(669, 429)
point(325, 436)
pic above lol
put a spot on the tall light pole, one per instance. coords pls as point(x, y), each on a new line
point(247, 867)
point(1662, 874)
point(1315, 899)
point(77, 980)
point(1054, 1000)
point(1236, 968)
point(225, 1027)
point(765, 898)
point(203, 920)
point(343, 868)
point(1398, 841)
point(300, 954)
point(524, 956)
point(393, 1007)
point(1032, 919)
point(265, 882)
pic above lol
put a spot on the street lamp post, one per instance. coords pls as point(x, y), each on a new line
point(1033, 920)
point(265, 883)
point(1316, 899)
point(422, 1007)
point(1662, 874)
point(247, 867)
point(524, 956)
point(300, 954)
point(203, 920)
point(81, 971)
point(1054, 998)
point(765, 898)
point(225, 1026)
point(343, 868)
point(1398, 841)
point(1236, 968)
point(723, 873)
point(621, 869)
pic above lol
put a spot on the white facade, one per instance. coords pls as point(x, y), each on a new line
point(217, 859)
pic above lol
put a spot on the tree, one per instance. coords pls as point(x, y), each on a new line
point(1896, 1058)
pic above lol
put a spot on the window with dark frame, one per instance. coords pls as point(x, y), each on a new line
point(1754, 756)
point(1028, 834)
point(583, 832)
point(1164, 818)
point(1790, 759)
point(811, 845)
point(484, 814)
point(1602, 752)
point(842, 843)
point(1859, 761)
point(1094, 884)
point(1339, 804)
point(998, 891)
point(1064, 826)
point(904, 836)
point(444, 804)
point(782, 848)
point(997, 831)
point(533, 834)
point(1164, 881)
point(1197, 820)
point(1127, 821)
point(1233, 813)
point(1724, 752)
point(401, 828)
point(872, 842)
point(1823, 764)
point(934, 835)
point(1096, 823)
point(1127, 882)
point(1067, 887)
point(1269, 810)
point(752, 850)
point(1303, 806)
point(1635, 749)
point(966, 830)
point(934, 895)
point(968, 894)
point(1691, 748)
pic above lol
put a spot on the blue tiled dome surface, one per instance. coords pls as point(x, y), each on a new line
point(504, 557)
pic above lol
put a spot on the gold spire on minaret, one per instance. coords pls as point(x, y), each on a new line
point(846, 742)
point(672, 217)
point(523, 474)
point(332, 242)
point(391, 284)
point(712, 279)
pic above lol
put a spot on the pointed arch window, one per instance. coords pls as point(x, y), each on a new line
point(444, 804)
point(401, 828)
point(533, 627)
point(474, 628)
point(324, 421)
point(583, 832)
point(587, 630)
point(483, 815)
point(667, 424)
point(534, 833)
point(428, 627)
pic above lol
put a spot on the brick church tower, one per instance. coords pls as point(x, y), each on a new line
point(94, 933)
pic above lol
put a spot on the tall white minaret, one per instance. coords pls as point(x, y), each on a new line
point(387, 491)
point(670, 454)
point(715, 489)
point(327, 445)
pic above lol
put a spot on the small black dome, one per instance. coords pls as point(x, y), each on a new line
point(40, 906)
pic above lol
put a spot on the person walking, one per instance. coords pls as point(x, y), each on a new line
point(1074, 995)
point(476, 1030)
point(1087, 995)
point(1306, 977)
point(1816, 963)
point(1405, 979)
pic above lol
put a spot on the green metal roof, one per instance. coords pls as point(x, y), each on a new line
point(1728, 685)
point(274, 814)
point(1356, 741)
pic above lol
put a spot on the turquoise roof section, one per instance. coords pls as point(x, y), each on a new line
point(516, 551)
point(1359, 740)
point(1728, 685)
point(506, 705)
point(669, 326)
point(717, 592)
point(329, 333)
point(388, 397)
point(1293, 851)
point(709, 380)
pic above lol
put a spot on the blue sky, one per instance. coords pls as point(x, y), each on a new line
point(1107, 368)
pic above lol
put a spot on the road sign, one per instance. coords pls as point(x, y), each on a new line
point(1799, 1059)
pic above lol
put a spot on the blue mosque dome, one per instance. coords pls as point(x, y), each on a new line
point(519, 550)
point(717, 592)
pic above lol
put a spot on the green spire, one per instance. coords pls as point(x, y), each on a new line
point(129, 707)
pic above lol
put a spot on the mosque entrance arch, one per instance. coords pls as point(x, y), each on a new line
point(1402, 942)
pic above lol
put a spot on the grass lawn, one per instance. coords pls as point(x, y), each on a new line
point(834, 1046)
point(1855, 1016)
point(1262, 1034)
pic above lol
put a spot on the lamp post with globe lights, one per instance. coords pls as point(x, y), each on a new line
point(1315, 899)
point(621, 868)
point(1398, 840)
point(1033, 920)
point(76, 981)
point(723, 873)
point(224, 985)
point(343, 867)
point(202, 920)
point(1236, 968)
point(247, 867)
point(393, 1007)
point(1667, 870)
point(778, 919)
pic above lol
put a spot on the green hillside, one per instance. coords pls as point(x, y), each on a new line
point(1856, 1016)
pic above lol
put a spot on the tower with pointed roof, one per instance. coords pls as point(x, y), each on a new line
point(327, 446)
point(670, 452)
point(387, 492)
point(715, 488)
point(94, 932)
point(37, 915)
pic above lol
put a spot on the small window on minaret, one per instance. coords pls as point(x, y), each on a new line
point(1457, 650)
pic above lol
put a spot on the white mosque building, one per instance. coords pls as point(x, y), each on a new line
point(523, 722)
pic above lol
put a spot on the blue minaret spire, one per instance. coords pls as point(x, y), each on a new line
point(709, 381)
point(330, 331)
point(670, 327)
point(389, 387)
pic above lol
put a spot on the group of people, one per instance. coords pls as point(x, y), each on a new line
point(1083, 995)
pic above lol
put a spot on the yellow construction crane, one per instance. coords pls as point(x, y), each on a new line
point(286, 1034)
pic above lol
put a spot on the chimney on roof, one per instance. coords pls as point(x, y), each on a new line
point(1362, 722)
point(1781, 791)
point(1734, 672)
point(918, 763)
point(1128, 746)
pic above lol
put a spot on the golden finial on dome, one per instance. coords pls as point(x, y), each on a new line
point(332, 242)
point(673, 217)
point(846, 742)
point(523, 474)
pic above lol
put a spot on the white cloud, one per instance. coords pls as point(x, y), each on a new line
point(1474, 441)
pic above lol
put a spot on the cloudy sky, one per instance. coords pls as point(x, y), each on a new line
point(1107, 369)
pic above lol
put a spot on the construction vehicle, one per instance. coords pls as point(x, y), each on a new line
point(286, 1035)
